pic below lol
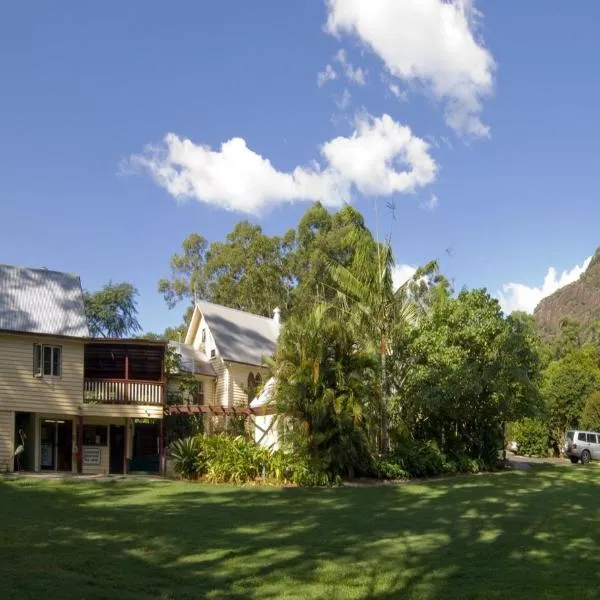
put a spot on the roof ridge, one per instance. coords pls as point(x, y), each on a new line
point(245, 312)
point(41, 269)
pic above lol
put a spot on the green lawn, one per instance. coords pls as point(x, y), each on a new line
point(527, 534)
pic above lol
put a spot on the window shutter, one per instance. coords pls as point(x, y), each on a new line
point(37, 360)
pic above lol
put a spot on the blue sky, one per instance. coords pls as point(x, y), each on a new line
point(87, 87)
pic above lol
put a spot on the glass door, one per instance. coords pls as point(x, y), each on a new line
point(48, 446)
point(56, 445)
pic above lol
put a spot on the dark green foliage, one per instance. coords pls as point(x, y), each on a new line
point(568, 382)
point(471, 370)
point(532, 436)
point(248, 271)
point(590, 418)
point(413, 458)
point(326, 387)
point(112, 311)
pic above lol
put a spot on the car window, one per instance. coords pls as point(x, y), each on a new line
point(581, 437)
point(570, 435)
point(591, 438)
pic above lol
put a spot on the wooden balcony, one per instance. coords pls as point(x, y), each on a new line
point(124, 372)
point(121, 391)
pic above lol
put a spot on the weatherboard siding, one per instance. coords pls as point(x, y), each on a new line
point(209, 344)
point(239, 382)
point(7, 445)
point(21, 391)
point(222, 387)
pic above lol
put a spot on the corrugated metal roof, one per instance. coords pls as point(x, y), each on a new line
point(192, 360)
point(41, 301)
point(240, 336)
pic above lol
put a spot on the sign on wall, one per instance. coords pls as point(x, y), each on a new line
point(92, 456)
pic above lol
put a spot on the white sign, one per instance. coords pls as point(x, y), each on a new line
point(91, 455)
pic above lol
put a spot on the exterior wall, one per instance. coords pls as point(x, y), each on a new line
point(222, 387)
point(266, 431)
point(21, 391)
point(238, 392)
point(103, 467)
point(209, 345)
point(7, 440)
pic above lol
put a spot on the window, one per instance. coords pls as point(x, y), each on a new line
point(212, 353)
point(591, 438)
point(570, 435)
point(204, 336)
point(200, 392)
point(251, 387)
point(581, 437)
point(47, 360)
point(95, 435)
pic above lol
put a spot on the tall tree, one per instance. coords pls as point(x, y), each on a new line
point(112, 311)
point(321, 238)
point(249, 271)
point(471, 371)
point(366, 292)
point(567, 383)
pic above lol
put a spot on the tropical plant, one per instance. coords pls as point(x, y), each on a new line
point(187, 457)
point(368, 302)
point(326, 387)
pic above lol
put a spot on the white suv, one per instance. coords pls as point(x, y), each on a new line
point(582, 446)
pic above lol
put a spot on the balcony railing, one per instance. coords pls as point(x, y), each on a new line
point(121, 391)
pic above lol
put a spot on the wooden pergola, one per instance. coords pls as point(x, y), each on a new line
point(192, 409)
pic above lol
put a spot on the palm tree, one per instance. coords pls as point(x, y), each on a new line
point(368, 301)
point(324, 386)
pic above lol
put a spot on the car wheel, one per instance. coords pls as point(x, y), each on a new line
point(585, 457)
point(574, 460)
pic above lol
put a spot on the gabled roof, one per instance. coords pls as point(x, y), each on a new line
point(41, 301)
point(192, 360)
point(240, 336)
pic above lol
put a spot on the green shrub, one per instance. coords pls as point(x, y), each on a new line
point(186, 457)
point(389, 469)
point(532, 436)
point(414, 458)
point(590, 417)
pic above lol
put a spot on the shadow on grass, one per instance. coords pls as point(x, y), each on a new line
point(517, 535)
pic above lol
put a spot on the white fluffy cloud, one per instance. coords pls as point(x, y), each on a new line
point(401, 274)
point(380, 158)
point(517, 296)
point(430, 43)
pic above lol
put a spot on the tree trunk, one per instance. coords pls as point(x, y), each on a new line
point(384, 438)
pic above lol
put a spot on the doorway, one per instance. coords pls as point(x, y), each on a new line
point(117, 449)
point(56, 437)
point(25, 432)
